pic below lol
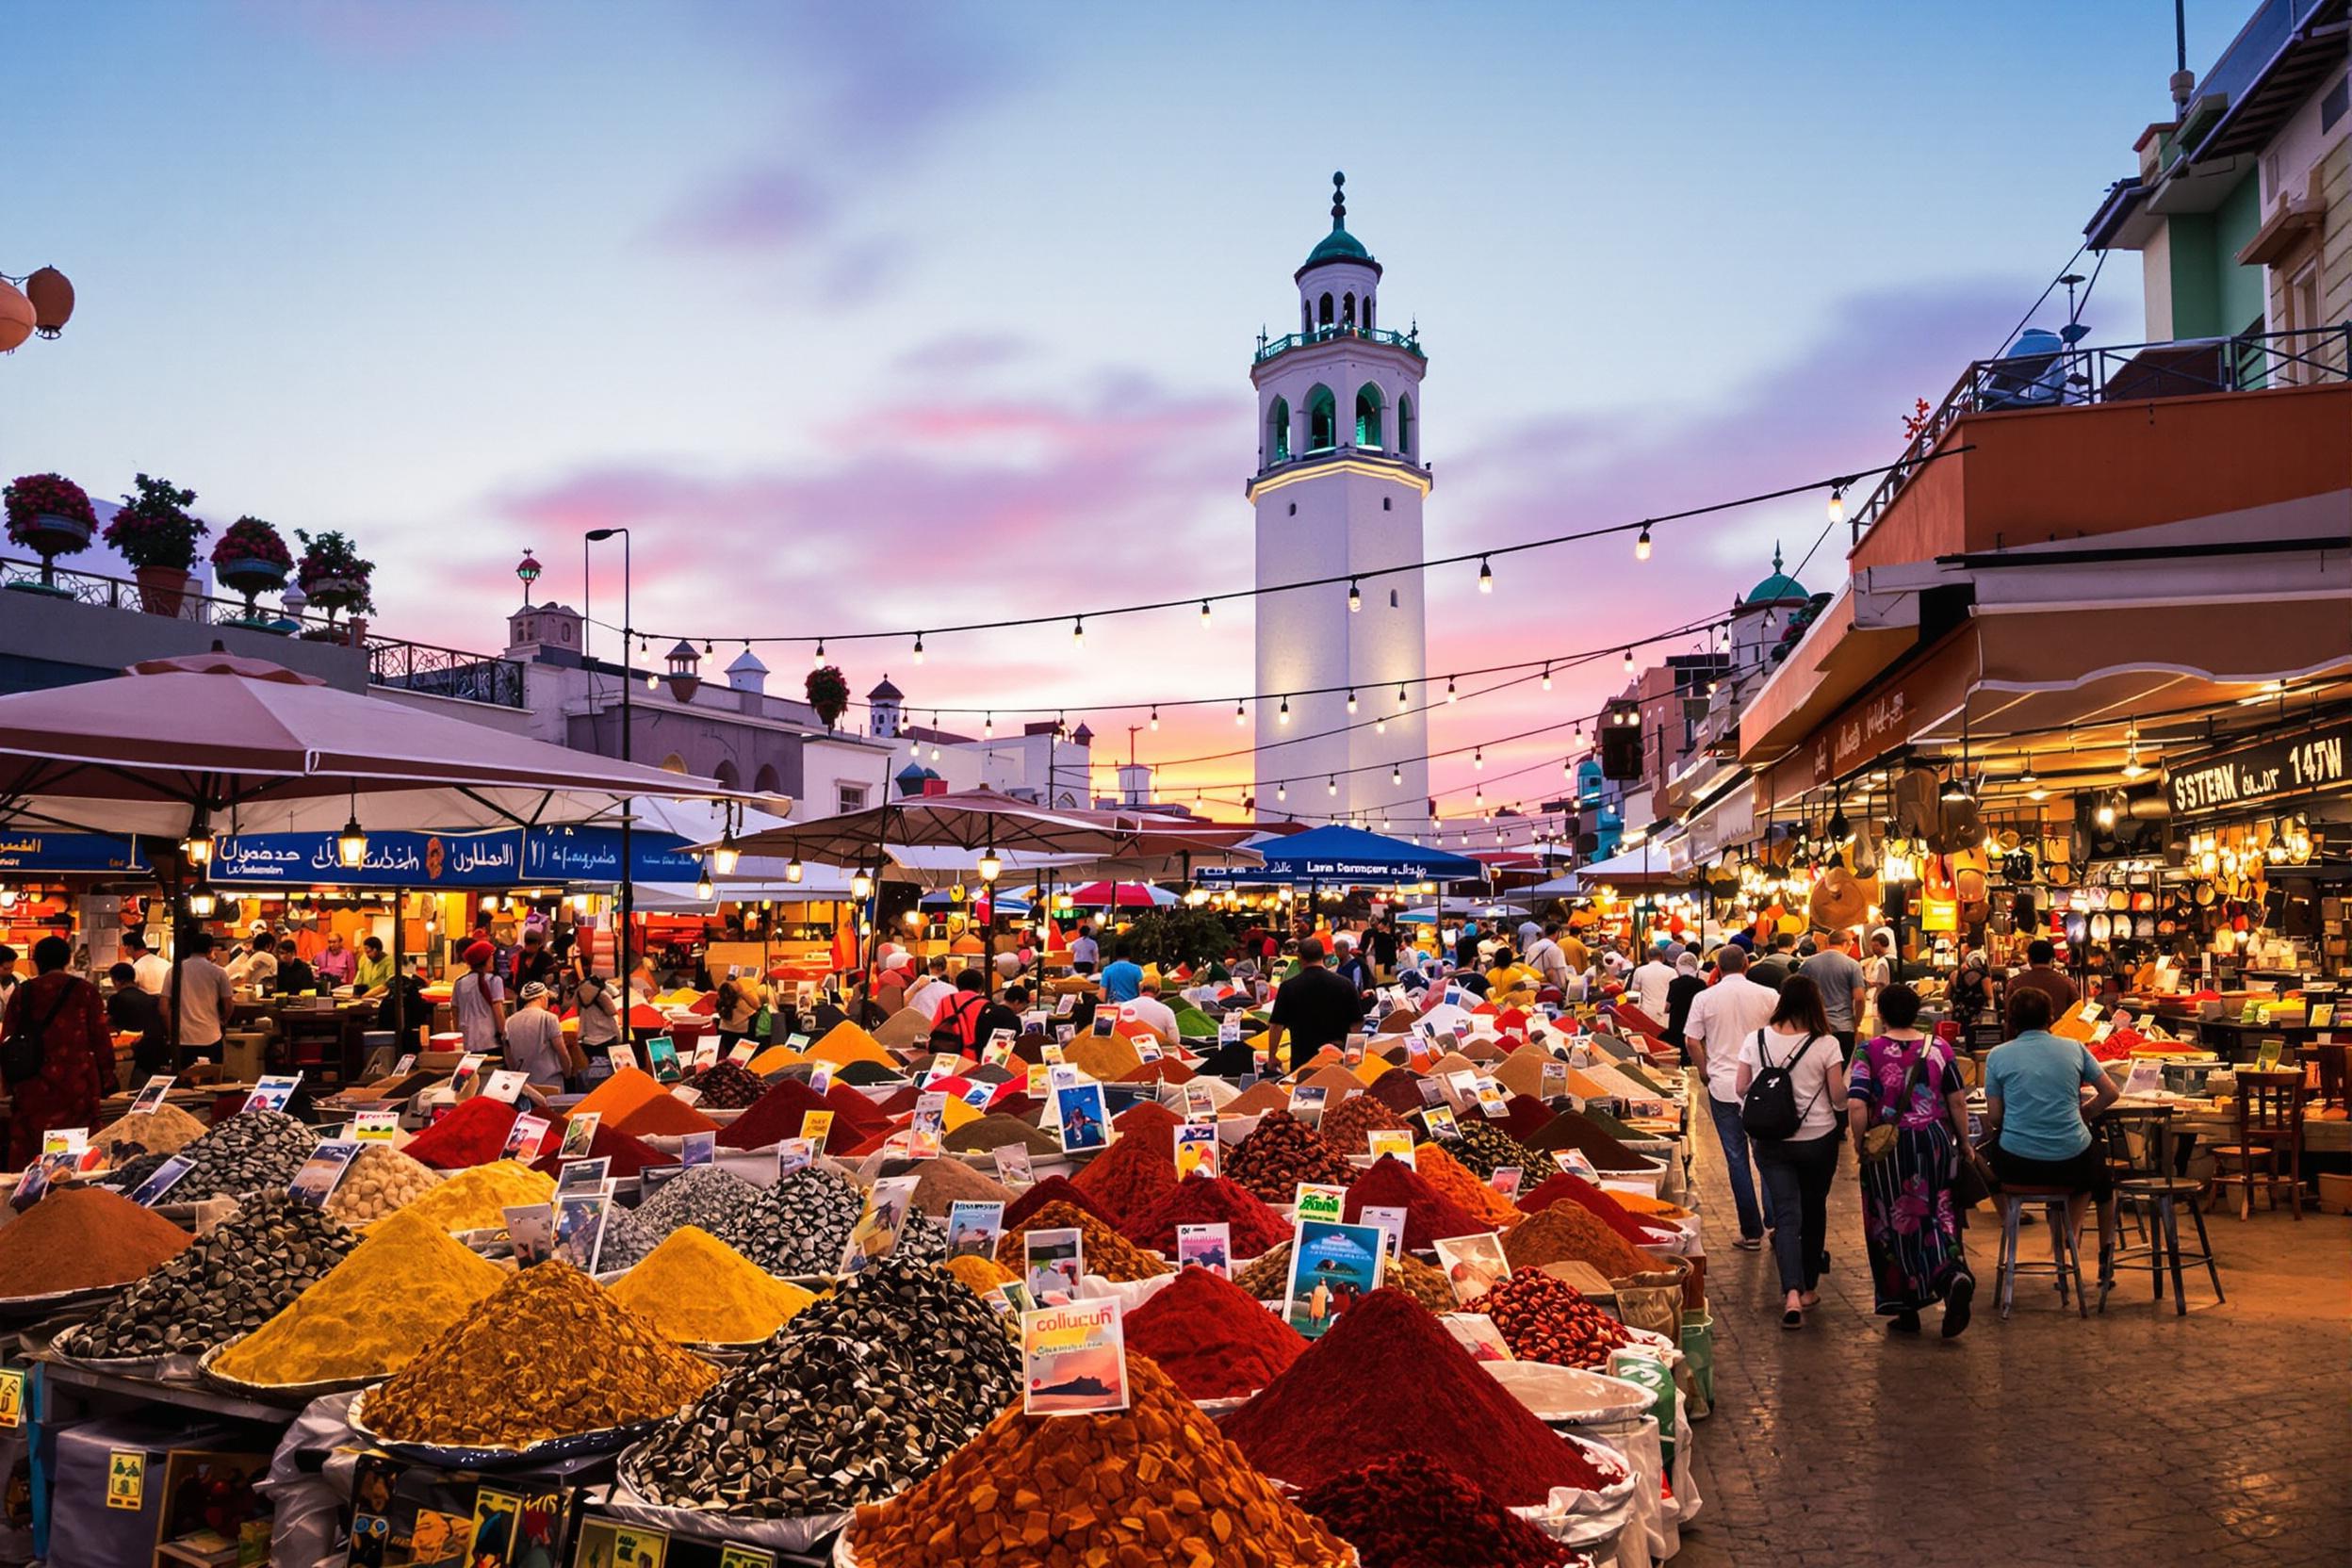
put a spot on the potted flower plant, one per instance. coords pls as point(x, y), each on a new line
point(156, 533)
point(251, 557)
point(333, 573)
point(51, 515)
point(828, 693)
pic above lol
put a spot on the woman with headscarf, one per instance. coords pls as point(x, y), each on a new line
point(1687, 984)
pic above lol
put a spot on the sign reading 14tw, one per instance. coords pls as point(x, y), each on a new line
point(2315, 760)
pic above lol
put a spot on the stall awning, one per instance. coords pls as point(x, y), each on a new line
point(1337, 855)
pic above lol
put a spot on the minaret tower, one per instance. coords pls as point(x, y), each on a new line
point(1338, 491)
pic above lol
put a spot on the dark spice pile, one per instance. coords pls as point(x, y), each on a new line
point(1280, 1154)
point(251, 1151)
point(1575, 1130)
point(1212, 1337)
point(1346, 1126)
point(237, 1278)
point(727, 1086)
point(1388, 1380)
point(1199, 1200)
point(1054, 1189)
point(995, 1131)
point(776, 1114)
point(1484, 1149)
point(1430, 1214)
point(79, 1238)
point(1149, 1121)
point(1418, 1513)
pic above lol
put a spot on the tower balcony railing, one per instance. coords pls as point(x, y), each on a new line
point(2131, 372)
point(391, 661)
point(1273, 347)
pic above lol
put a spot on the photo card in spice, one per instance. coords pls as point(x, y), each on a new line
point(1085, 1118)
point(497, 1526)
point(530, 1227)
point(876, 1235)
point(1197, 1151)
point(661, 1053)
point(316, 1182)
point(1012, 1166)
point(1074, 1358)
point(972, 1227)
point(1209, 1247)
point(612, 1544)
point(1333, 1267)
point(580, 1218)
point(1055, 1264)
point(1474, 1265)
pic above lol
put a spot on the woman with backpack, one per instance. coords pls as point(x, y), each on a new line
point(1792, 1102)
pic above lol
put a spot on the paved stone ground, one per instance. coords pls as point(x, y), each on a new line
point(2137, 1438)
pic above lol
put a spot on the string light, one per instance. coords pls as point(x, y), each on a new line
point(1642, 544)
point(1283, 717)
point(1078, 631)
point(2032, 782)
point(1450, 695)
point(1478, 759)
point(1355, 596)
point(817, 656)
point(1836, 504)
point(1155, 720)
point(1628, 660)
point(1401, 698)
point(918, 648)
point(1331, 784)
point(1547, 678)
point(987, 728)
point(1351, 699)
point(1204, 614)
point(1282, 789)
point(1396, 773)
point(1486, 576)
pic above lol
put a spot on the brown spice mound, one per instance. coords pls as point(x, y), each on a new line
point(1154, 1483)
point(1107, 1252)
point(1571, 1233)
point(550, 1355)
point(1280, 1152)
point(995, 1131)
point(81, 1238)
point(1345, 1126)
point(942, 1183)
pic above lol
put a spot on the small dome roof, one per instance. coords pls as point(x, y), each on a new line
point(1338, 245)
point(914, 770)
point(1779, 588)
point(885, 692)
point(746, 662)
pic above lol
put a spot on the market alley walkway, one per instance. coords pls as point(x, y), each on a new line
point(2138, 1437)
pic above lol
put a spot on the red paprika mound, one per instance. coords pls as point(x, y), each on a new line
point(628, 1156)
point(1525, 1116)
point(472, 1133)
point(1214, 1341)
point(774, 1117)
point(1198, 1199)
point(1428, 1214)
point(1128, 1179)
point(663, 1115)
point(1544, 1318)
point(1054, 1189)
point(1418, 1513)
point(1399, 1091)
point(1389, 1381)
point(1567, 1189)
point(1150, 1122)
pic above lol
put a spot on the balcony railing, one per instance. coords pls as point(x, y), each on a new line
point(391, 661)
point(1269, 348)
point(2192, 366)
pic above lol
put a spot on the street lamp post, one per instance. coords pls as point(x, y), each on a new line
point(626, 924)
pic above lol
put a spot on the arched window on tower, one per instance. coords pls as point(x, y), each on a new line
point(1323, 311)
point(768, 782)
point(1348, 311)
point(1368, 408)
point(1322, 420)
point(1404, 425)
point(1368, 313)
point(1278, 431)
point(1306, 317)
point(726, 773)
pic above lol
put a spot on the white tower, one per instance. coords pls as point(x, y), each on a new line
point(1338, 493)
point(883, 705)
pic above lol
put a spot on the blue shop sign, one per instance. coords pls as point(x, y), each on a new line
point(24, 849)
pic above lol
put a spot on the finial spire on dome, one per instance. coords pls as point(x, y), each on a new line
point(1339, 201)
point(1775, 555)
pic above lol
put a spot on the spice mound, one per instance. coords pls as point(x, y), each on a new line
point(1127, 1178)
point(1428, 1212)
point(1570, 1232)
point(165, 1130)
point(251, 1151)
point(628, 1154)
point(977, 1274)
point(1389, 1380)
point(1210, 1201)
point(800, 1225)
point(1266, 1279)
point(721, 1202)
point(477, 1200)
point(1052, 1190)
point(1106, 1252)
point(546, 1356)
point(860, 1394)
point(1346, 1126)
point(406, 1283)
point(472, 1133)
point(728, 1086)
point(233, 1280)
point(1484, 1149)
point(379, 1179)
point(996, 1130)
point(1544, 1318)
point(81, 1238)
point(942, 1184)
point(1280, 1152)
point(1154, 1483)
point(1212, 1338)
point(1612, 1207)
point(1453, 1179)
point(1418, 1513)
point(697, 1290)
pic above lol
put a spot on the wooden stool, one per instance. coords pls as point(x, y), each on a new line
point(2163, 1195)
point(2065, 1264)
point(2269, 1128)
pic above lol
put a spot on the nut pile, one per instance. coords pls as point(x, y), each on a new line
point(726, 1205)
point(727, 1086)
point(1280, 1152)
point(1544, 1318)
point(252, 1152)
point(235, 1280)
point(1154, 1483)
point(804, 1222)
point(923, 1239)
point(379, 1179)
point(858, 1396)
point(1345, 1125)
point(1485, 1147)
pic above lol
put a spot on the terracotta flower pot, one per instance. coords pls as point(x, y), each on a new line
point(162, 590)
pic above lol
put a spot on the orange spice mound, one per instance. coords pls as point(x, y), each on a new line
point(1570, 1232)
point(1107, 1252)
point(1457, 1181)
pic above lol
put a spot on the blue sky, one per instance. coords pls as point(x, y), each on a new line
point(863, 315)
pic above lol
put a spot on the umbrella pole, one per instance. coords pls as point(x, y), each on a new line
point(178, 926)
point(400, 959)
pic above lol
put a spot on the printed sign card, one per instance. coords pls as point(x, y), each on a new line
point(375, 1126)
point(1306, 1104)
point(1012, 1166)
point(927, 1126)
point(1389, 1221)
point(584, 1175)
point(152, 1190)
point(524, 1138)
point(1200, 1104)
point(1492, 1100)
point(1473, 1265)
point(1395, 1142)
point(973, 1229)
point(793, 1154)
point(1209, 1247)
point(697, 1149)
point(1197, 1151)
point(531, 1228)
point(1085, 1117)
point(272, 1093)
point(1555, 1080)
point(580, 1135)
point(875, 1234)
point(580, 1218)
point(1333, 1267)
point(661, 1052)
point(1053, 1264)
point(1440, 1123)
point(620, 1055)
point(151, 1094)
point(815, 1126)
point(1575, 1163)
point(465, 1078)
point(820, 1077)
point(1074, 1358)
point(1506, 1180)
point(317, 1179)
point(1317, 1201)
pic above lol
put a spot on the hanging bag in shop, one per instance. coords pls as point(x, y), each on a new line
point(1770, 1110)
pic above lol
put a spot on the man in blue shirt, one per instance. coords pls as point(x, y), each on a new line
point(2042, 1135)
point(1122, 978)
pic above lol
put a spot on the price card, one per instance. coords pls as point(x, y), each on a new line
point(743, 1051)
point(794, 1154)
point(406, 1065)
point(375, 1126)
point(65, 1140)
point(1572, 1161)
point(1063, 1034)
point(524, 1138)
point(467, 1077)
point(1461, 1089)
point(2091, 1011)
point(584, 1175)
point(661, 1059)
point(927, 1125)
point(1555, 1084)
point(622, 1055)
point(1433, 1092)
point(820, 1077)
point(1200, 1104)
point(1065, 1004)
point(1198, 1150)
point(1389, 1223)
point(151, 1094)
point(1000, 1048)
point(271, 1094)
point(505, 1086)
point(1490, 1100)
point(2143, 1078)
point(943, 1065)
point(532, 1229)
point(697, 1149)
point(978, 1095)
point(127, 1479)
point(11, 1399)
point(1104, 1024)
point(1036, 1017)
point(1229, 1029)
point(796, 1044)
point(321, 1173)
point(1505, 1180)
point(1318, 1201)
point(745, 1557)
point(1074, 1358)
point(152, 1190)
point(1440, 1123)
point(815, 1125)
point(1209, 1247)
point(1012, 1166)
point(687, 1094)
point(1306, 1104)
point(580, 1135)
point(1394, 1141)
point(705, 1052)
point(1148, 1049)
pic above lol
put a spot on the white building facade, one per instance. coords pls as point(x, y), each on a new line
point(1338, 491)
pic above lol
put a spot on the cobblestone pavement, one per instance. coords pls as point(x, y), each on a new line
point(2044, 1442)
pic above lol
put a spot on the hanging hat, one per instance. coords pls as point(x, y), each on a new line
point(1841, 898)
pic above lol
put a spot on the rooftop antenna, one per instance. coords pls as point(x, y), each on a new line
point(2183, 82)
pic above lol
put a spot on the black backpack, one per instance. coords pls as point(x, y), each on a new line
point(1769, 1111)
point(23, 1054)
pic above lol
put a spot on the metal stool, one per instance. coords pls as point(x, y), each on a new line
point(2065, 1264)
point(2164, 1194)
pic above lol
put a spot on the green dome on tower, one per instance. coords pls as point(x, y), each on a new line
point(1777, 588)
point(1339, 245)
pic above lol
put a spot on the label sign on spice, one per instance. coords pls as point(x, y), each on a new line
point(707, 1052)
point(1440, 1123)
point(406, 1065)
point(1074, 1358)
point(12, 1397)
point(1506, 1181)
point(1390, 1222)
point(584, 1175)
point(468, 1076)
point(794, 1154)
point(1053, 1264)
point(524, 1138)
point(580, 1135)
point(65, 1140)
point(1000, 1048)
point(1490, 1100)
point(820, 1077)
point(127, 1479)
point(1317, 1201)
point(1306, 1104)
point(874, 1237)
point(375, 1126)
point(1209, 1247)
point(697, 1149)
point(272, 1093)
point(1395, 1141)
point(621, 1055)
point(814, 1125)
point(745, 1557)
point(1200, 1104)
point(1012, 1166)
point(744, 1051)
point(972, 1228)
point(505, 1084)
point(531, 1228)
point(321, 1173)
point(154, 1188)
point(151, 1094)
point(1555, 1080)
point(928, 1126)
point(1197, 1149)
point(1472, 1264)
point(1575, 1163)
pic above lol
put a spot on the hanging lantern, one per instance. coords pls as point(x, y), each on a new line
point(53, 301)
point(17, 318)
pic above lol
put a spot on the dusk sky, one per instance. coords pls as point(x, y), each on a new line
point(868, 316)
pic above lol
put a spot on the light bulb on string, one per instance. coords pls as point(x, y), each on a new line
point(1284, 715)
point(1628, 660)
point(1330, 785)
point(1355, 596)
point(1282, 789)
point(1239, 716)
point(1478, 759)
point(1836, 504)
point(1379, 725)
point(1396, 773)
point(1450, 696)
point(816, 656)
point(1547, 678)
point(1204, 614)
point(1351, 701)
point(988, 727)
point(1642, 544)
point(1486, 576)
point(1155, 720)
point(1401, 698)
point(1078, 631)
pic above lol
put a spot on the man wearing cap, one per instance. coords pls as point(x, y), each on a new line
point(153, 968)
point(534, 1038)
point(480, 1000)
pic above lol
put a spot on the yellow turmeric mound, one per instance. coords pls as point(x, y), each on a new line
point(697, 1290)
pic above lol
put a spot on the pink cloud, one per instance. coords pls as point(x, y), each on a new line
point(765, 207)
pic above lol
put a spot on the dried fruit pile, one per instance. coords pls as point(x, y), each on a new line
point(1418, 1513)
point(1544, 1318)
point(1280, 1152)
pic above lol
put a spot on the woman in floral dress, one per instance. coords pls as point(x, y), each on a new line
point(1907, 1082)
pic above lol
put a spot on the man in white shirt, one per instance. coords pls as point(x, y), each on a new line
point(1547, 959)
point(204, 996)
point(1149, 1011)
point(925, 995)
point(153, 968)
point(256, 967)
point(1084, 952)
point(1729, 1011)
point(1648, 985)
